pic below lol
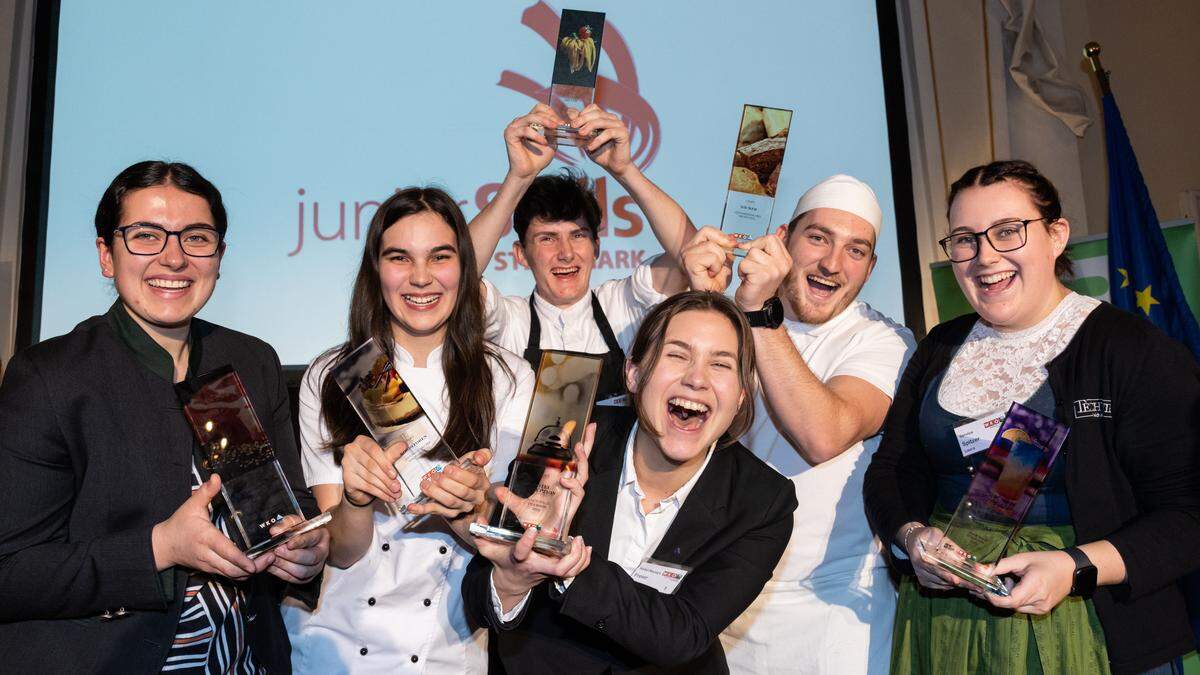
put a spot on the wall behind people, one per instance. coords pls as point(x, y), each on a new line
point(965, 109)
point(309, 115)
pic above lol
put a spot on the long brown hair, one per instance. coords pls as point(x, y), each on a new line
point(648, 345)
point(464, 355)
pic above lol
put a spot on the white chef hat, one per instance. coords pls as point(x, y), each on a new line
point(845, 193)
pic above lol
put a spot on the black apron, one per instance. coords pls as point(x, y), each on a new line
point(612, 372)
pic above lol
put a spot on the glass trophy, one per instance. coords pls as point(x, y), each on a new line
point(998, 498)
point(576, 63)
point(391, 413)
point(232, 444)
point(754, 177)
point(558, 414)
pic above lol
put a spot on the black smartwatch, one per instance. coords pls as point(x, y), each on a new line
point(1084, 582)
point(770, 316)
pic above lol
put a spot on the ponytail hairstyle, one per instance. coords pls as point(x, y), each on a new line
point(464, 354)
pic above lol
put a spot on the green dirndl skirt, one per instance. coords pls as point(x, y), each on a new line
point(951, 632)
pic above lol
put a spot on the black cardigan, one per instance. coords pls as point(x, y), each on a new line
point(1132, 398)
point(94, 451)
point(731, 531)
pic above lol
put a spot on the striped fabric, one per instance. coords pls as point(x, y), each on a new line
point(211, 637)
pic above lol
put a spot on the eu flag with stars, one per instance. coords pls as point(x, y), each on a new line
point(1141, 276)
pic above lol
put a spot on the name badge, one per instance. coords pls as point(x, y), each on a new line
point(977, 435)
point(616, 401)
point(662, 577)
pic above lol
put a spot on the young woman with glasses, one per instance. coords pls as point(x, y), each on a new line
point(110, 559)
point(1094, 568)
point(391, 596)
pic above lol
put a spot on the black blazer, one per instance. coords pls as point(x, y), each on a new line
point(731, 530)
point(95, 450)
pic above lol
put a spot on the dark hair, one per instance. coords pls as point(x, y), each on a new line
point(464, 355)
point(648, 344)
point(150, 174)
point(566, 196)
point(1039, 188)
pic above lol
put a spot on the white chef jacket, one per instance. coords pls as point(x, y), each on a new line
point(829, 606)
point(624, 301)
point(400, 608)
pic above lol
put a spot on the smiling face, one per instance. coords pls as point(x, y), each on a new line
point(694, 390)
point(833, 253)
point(419, 272)
point(1016, 289)
point(165, 290)
point(561, 255)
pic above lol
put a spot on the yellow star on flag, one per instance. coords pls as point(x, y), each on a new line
point(1145, 300)
point(1124, 276)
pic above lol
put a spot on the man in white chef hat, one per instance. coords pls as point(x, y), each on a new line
point(828, 365)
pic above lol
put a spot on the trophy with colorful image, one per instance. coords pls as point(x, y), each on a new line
point(998, 498)
point(558, 414)
point(754, 177)
point(576, 65)
point(232, 444)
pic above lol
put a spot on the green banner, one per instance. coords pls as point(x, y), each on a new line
point(1090, 256)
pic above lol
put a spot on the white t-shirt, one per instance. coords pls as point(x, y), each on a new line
point(817, 612)
point(400, 608)
point(624, 301)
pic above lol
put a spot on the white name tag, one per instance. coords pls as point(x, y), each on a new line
point(616, 401)
point(976, 436)
point(662, 577)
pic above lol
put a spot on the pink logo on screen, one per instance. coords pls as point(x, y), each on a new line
point(619, 96)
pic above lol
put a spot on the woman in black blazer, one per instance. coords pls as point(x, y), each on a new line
point(671, 499)
point(109, 558)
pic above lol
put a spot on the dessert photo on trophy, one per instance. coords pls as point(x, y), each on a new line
point(231, 443)
point(576, 65)
point(558, 414)
point(754, 177)
point(391, 413)
point(999, 496)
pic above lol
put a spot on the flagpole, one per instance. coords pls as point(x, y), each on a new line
point(1092, 51)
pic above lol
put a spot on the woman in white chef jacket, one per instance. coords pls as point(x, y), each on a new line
point(390, 601)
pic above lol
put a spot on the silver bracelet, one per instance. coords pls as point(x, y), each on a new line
point(912, 527)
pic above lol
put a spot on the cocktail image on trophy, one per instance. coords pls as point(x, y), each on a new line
point(558, 414)
point(999, 496)
point(576, 65)
point(232, 444)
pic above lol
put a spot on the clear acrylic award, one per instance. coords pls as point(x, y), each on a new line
point(391, 413)
point(754, 176)
point(558, 414)
point(998, 498)
point(233, 445)
point(576, 63)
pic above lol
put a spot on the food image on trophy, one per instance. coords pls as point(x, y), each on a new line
point(391, 413)
point(232, 444)
point(576, 65)
point(558, 414)
point(754, 177)
point(999, 497)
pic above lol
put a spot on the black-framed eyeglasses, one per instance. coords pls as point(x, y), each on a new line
point(200, 241)
point(1005, 236)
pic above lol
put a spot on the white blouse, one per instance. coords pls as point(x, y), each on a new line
point(993, 368)
point(399, 608)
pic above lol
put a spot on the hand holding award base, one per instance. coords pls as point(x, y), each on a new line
point(998, 498)
point(558, 414)
point(233, 445)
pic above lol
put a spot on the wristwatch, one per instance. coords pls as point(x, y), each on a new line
point(770, 316)
point(1084, 582)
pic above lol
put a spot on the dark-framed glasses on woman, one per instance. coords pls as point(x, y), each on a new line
point(200, 241)
point(1005, 236)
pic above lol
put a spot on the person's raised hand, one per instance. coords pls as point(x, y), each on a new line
point(525, 142)
point(766, 264)
point(707, 259)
